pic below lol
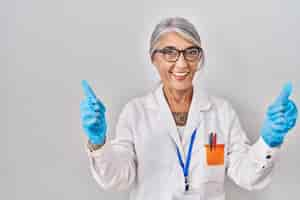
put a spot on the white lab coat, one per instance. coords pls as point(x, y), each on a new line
point(142, 157)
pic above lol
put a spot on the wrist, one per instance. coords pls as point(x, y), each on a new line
point(94, 146)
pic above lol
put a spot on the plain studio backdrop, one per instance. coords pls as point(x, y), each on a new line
point(48, 47)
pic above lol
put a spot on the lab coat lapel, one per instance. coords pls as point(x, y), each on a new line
point(165, 118)
point(200, 102)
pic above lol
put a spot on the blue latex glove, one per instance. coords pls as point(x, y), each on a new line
point(281, 117)
point(92, 113)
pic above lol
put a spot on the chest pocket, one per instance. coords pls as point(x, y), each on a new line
point(211, 166)
point(208, 178)
point(209, 169)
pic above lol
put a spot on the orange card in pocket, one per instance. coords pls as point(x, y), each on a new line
point(215, 156)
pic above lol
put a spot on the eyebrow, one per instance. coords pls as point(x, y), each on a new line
point(179, 49)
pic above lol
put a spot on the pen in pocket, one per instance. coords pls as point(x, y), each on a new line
point(210, 141)
point(215, 140)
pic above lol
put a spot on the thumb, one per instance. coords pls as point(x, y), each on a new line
point(87, 89)
point(284, 94)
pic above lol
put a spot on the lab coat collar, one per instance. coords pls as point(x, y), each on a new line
point(200, 103)
point(201, 98)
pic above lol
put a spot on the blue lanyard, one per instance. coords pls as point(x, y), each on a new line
point(185, 168)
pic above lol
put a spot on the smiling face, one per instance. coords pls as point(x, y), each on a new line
point(175, 75)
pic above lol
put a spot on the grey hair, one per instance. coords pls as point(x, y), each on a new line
point(179, 25)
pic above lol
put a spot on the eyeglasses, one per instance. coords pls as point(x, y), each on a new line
point(171, 54)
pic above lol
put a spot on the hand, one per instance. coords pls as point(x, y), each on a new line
point(92, 116)
point(281, 117)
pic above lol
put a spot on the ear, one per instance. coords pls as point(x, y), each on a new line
point(153, 59)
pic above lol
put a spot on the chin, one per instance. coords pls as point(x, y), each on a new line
point(181, 86)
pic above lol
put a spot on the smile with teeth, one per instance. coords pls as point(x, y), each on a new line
point(179, 75)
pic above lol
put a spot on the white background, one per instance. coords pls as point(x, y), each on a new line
point(48, 47)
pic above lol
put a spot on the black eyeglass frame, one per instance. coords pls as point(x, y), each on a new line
point(163, 51)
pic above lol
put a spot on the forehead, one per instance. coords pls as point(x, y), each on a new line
point(174, 39)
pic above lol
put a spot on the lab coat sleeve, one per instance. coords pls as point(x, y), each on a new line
point(249, 166)
point(113, 166)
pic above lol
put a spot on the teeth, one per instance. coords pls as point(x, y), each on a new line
point(180, 74)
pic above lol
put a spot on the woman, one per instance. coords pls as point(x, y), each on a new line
point(178, 142)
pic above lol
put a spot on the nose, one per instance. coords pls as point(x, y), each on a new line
point(181, 62)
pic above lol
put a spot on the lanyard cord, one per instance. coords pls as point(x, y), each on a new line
point(185, 168)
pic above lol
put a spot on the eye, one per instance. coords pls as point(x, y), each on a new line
point(193, 51)
point(170, 51)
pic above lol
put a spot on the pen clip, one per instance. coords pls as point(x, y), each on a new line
point(210, 140)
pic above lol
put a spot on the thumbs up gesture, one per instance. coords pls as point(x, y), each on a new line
point(281, 117)
point(92, 115)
